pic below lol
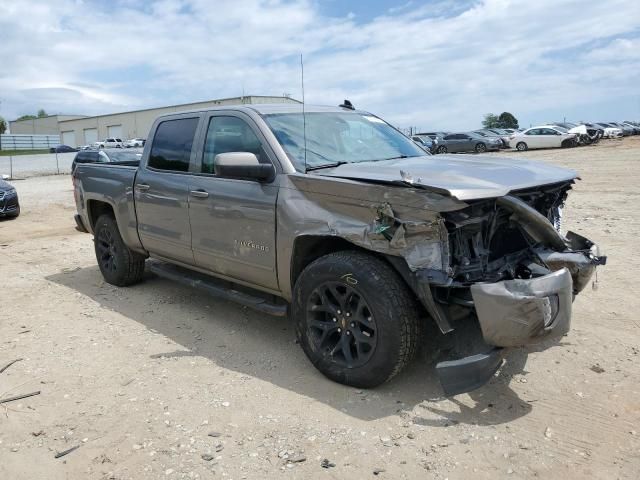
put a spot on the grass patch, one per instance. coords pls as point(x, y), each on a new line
point(13, 153)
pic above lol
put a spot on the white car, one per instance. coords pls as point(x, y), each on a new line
point(134, 142)
point(110, 143)
point(544, 136)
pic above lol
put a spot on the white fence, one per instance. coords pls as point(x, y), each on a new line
point(28, 142)
point(24, 166)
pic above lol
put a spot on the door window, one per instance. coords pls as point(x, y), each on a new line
point(230, 134)
point(172, 144)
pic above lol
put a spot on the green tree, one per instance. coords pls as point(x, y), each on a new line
point(507, 120)
point(42, 113)
point(26, 117)
point(490, 121)
point(3, 125)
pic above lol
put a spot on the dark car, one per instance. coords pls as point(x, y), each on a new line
point(108, 155)
point(468, 142)
point(62, 149)
point(9, 206)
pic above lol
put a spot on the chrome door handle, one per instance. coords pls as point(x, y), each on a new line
point(143, 187)
point(199, 193)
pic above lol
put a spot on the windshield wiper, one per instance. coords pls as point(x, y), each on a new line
point(399, 157)
point(326, 165)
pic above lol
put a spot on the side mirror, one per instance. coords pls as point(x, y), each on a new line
point(241, 165)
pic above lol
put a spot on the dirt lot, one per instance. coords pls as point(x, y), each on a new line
point(160, 381)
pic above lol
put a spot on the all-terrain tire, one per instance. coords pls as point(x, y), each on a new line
point(119, 265)
point(390, 306)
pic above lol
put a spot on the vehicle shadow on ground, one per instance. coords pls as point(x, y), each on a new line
point(264, 347)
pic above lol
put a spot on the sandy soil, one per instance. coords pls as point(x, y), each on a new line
point(149, 379)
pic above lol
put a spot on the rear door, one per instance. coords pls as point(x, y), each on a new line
point(233, 221)
point(162, 190)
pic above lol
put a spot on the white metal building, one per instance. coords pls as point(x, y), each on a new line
point(76, 131)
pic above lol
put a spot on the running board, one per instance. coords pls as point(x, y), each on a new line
point(217, 288)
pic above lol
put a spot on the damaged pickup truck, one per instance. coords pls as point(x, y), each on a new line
point(337, 219)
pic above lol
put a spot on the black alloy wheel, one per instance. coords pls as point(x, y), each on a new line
point(341, 324)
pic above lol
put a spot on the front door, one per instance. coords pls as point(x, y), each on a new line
point(233, 221)
point(162, 191)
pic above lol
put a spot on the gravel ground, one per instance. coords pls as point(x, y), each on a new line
point(160, 381)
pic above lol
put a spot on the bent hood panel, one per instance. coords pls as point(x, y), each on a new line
point(465, 177)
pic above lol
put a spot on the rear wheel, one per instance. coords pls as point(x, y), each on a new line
point(481, 148)
point(521, 146)
point(119, 265)
point(353, 331)
point(442, 149)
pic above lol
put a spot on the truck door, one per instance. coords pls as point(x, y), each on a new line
point(162, 191)
point(233, 221)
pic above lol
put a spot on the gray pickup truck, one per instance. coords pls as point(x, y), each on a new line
point(337, 219)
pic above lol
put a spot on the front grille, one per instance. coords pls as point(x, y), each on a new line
point(1, 195)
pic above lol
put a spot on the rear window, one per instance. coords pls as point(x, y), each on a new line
point(172, 144)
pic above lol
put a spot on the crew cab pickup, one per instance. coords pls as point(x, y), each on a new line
point(334, 217)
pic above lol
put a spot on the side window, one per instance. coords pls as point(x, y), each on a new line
point(172, 143)
point(533, 131)
point(449, 137)
point(230, 134)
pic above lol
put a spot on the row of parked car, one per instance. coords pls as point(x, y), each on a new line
point(107, 143)
point(553, 135)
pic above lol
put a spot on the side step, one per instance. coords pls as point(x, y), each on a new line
point(218, 288)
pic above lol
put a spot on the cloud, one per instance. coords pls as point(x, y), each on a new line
point(436, 65)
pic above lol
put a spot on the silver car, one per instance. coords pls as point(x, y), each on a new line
point(468, 142)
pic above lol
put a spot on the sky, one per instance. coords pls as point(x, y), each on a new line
point(434, 65)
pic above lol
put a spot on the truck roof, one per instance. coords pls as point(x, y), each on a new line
point(269, 108)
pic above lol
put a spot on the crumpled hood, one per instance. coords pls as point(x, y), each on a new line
point(465, 177)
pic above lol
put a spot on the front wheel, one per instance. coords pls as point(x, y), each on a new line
point(442, 149)
point(118, 264)
point(481, 148)
point(521, 146)
point(353, 331)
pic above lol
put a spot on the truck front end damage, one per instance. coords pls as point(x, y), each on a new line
point(511, 269)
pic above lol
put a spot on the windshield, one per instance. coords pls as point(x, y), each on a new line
point(339, 137)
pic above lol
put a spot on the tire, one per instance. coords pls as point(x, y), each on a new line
point(521, 146)
point(442, 149)
point(339, 306)
point(119, 265)
point(481, 148)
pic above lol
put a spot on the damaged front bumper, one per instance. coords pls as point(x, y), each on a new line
point(520, 312)
point(511, 313)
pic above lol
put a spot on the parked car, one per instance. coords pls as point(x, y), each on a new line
point(626, 129)
point(107, 155)
point(545, 136)
point(468, 142)
point(633, 126)
point(364, 239)
point(610, 131)
point(110, 143)
point(9, 204)
point(424, 141)
point(492, 135)
point(134, 142)
point(586, 135)
point(62, 149)
point(436, 137)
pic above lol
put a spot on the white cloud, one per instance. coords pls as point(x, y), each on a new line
point(436, 66)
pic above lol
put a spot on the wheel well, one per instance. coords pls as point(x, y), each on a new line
point(308, 248)
point(97, 208)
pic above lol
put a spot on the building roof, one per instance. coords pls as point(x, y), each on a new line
point(248, 97)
